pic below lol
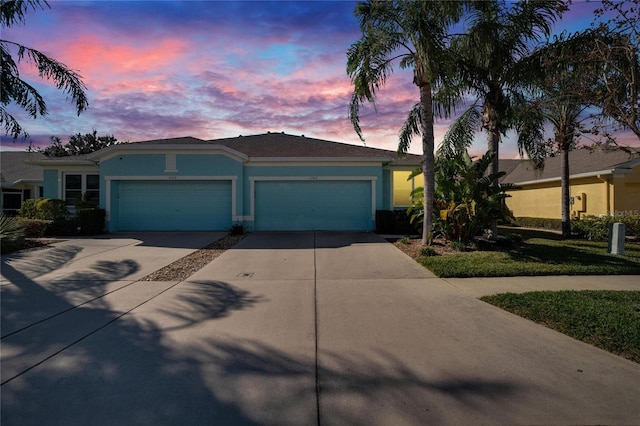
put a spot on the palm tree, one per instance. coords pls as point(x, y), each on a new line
point(411, 34)
point(13, 88)
point(569, 72)
point(492, 65)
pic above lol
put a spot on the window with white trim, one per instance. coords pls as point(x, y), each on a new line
point(78, 184)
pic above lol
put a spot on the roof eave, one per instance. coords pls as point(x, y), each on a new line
point(114, 150)
point(51, 162)
point(597, 173)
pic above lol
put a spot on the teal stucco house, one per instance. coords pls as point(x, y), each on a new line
point(266, 182)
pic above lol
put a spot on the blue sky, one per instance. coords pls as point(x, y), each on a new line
point(210, 69)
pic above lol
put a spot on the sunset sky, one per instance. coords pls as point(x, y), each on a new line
point(210, 69)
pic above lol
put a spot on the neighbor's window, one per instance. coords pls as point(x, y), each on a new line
point(77, 184)
point(402, 188)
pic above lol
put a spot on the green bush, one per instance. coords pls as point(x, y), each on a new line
point(427, 251)
point(594, 228)
point(34, 228)
point(51, 209)
point(29, 209)
point(91, 221)
point(62, 227)
point(11, 233)
point(539, 223)
point(405, 240)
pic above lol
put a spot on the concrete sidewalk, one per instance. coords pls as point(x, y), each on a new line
point(313, 328)
point(478, 287)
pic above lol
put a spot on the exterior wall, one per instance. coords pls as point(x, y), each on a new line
point(162, 166)
point(605, 195)
point(540, 200)
point(627, 193)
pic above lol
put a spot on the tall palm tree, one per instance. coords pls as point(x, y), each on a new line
point(569, 72)
point(13, 88)
point(492, 65)
point(411, 34)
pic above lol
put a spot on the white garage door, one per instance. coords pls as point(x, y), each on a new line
point(174, 205)
point(313, 205)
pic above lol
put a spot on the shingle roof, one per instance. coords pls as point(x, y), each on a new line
point(15, 169)
point(291, 146)
point(282, 145)
point(583, 160)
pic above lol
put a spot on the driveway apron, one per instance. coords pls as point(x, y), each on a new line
point(307, 328)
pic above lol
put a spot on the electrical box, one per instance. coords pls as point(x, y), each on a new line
point(579, 202)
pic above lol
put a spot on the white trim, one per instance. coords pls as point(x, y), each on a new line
point(170, 163)
point(331, 160)
point(233, 179)
point(254, 179)
point(134, 148)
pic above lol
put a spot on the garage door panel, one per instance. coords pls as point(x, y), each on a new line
point(175, 205)
point(313, 205)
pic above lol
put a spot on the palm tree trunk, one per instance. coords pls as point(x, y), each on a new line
point(493, 142)
point(428, 171)
point(566, 218)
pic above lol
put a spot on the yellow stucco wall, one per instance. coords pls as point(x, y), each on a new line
point(604, 195)
point(627, 194)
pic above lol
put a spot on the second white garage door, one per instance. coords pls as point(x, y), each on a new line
point(331, 205)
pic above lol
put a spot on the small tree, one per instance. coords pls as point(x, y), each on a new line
point(78, 144)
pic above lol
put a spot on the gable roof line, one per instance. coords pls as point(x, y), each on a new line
point(114, 150)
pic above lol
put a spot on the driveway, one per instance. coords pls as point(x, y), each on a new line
point(288, 328)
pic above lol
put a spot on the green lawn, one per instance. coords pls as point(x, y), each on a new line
point(609, 320)
point(542, 253)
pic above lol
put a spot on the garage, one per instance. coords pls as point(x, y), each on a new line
point(322, 205)
point(176, 205)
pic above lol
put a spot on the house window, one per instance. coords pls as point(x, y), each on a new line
point(402, 188)
point(75, 185)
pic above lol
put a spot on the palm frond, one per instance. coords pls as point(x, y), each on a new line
point(460, 135)
point(12, 12)
point(410, 128)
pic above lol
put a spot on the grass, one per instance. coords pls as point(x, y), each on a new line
point(609, 320)
point(542, 253)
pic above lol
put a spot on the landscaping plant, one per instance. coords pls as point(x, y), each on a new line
point(467, 199)
point(11, 233)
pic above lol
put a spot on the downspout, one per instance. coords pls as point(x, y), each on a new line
point(607, 193)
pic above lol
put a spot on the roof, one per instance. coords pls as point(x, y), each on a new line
point(507, 166)
point(14, 170)
point(266, 147)
point(582, 162)
point(272, 146)
point(282, 145)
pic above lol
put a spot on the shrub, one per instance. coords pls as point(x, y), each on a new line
point(34, 228)
point(51, 209)
point(11, 233)
point(28, 209)
point(237, 229)
point(466, 199)
point(594, 228)
point(404, 240)
point(539, 222)
point(427, 251)
point(61, 227)
point(91, 221)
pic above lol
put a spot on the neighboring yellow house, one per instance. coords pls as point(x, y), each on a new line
point(602, 182)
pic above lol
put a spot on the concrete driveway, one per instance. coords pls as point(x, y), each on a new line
point(287, 328)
